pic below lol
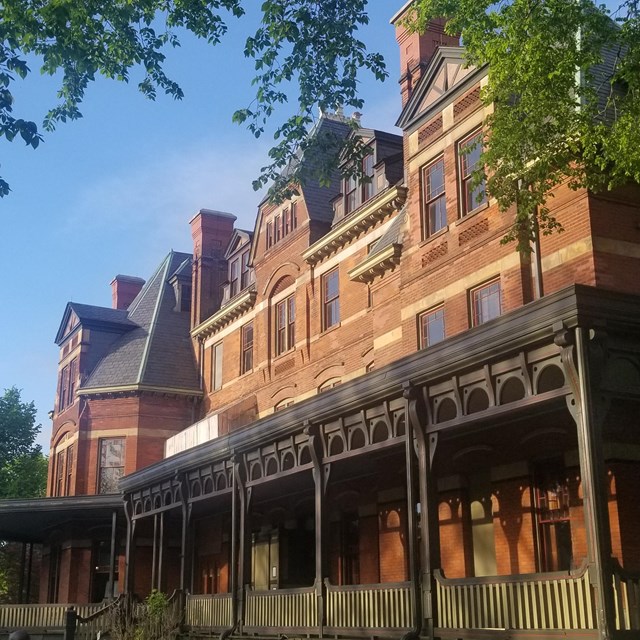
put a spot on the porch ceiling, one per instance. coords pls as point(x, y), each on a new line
point(33, 520)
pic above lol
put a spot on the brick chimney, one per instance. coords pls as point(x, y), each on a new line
point(124, 289)
point(417, 49)
point(211, 232)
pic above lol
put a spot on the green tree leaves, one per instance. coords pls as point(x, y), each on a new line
point(564, 83)
point(23, 468)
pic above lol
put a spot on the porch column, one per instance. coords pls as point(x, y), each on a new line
point(29, 572)
point(235, 544)
point(154, 553)
point(428, 551)
point(112, 554)
point(244, 536)
point(320, 489)
point(129, 554)
point(161, 545)
point(589, 412)
point(185, 538)
point(23, 563)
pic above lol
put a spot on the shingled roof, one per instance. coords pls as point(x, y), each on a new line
point(157, 353)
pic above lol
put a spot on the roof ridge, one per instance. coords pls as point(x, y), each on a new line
point(164, 267)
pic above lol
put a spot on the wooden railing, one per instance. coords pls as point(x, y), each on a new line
point(209, 611)
point(626, 594)
point(47, 617)
point(370, 606)
point(531, 601)
point(291, 609)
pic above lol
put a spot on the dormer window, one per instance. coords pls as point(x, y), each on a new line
point(282, 225)
point(357, 192)
point(239, 274)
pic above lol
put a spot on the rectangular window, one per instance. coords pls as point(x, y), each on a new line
point(277, 227)
point(244, 275)
point(469, 151)
point(351, 194)
point(64, 388)
point(247, 348)
point(294, 216)
point(285, 325)
point(330, 299)
point(216, 367)
point(69, 471)
point(234, 277)
point(59, 473)
point(431, 327)
point(286, 222)
point(111, 467)
point(435, 203)
point(367, 170)
point(185, 297)
point(485, 302)
point(269, 235)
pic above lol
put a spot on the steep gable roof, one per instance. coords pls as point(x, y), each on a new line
point(446, 73)
point(157, 354)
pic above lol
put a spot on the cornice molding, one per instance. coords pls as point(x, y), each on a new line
point(376, 264)
point(356, 223)
point(233, 309)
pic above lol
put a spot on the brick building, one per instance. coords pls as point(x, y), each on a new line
point(367, 415)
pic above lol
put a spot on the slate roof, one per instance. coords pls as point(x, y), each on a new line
point(318, 198)
point(90, 315)
point(157, 352)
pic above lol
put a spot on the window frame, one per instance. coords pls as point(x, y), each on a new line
point(217, 370)
point(101, 443)
point(424, 340)
point(464, 179)
point(234, 277)
point(285, 322)
point(244, 270)
point(269, 234)
point(246, 349)
point(475, 302)
point(428, 228)
point(330, 306)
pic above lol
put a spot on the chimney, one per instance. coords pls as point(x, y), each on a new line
point(417, 49)
point(211, 232)
point(124, 289)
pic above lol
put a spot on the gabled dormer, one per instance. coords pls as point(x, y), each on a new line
point(446, 79)
point(240, 271)
point(381, 167)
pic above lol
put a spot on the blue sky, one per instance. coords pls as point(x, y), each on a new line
point(113, 192)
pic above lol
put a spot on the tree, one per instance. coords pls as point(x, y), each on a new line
point(313, 43)
point(560, 112)
point(23, 468)
point(23, 474)
point(564, 80)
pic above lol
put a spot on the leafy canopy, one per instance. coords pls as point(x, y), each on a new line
point(23, 468)
point(305, 42)
point(564, 80)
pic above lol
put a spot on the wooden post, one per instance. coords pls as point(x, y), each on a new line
point(244, 537)
point(70, 621)
point(429, 554)
point(161, 543)
point(129, 554)
point(154, 554)
point(23, 562)
point(589, 417)
point(112, 556)
point(185, 546)
point(320, 488)
point(235, 533)
point(29, 572)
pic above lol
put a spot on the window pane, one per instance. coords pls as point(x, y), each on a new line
point(331, 300)
point(432, 326)
point(486, 303)
point(111, 464)
point(435, 180)
point(217, 366)
point(435, 203)
point(437, 215)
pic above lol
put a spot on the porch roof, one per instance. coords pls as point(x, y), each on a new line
point(33, 519)
point(534, 323)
